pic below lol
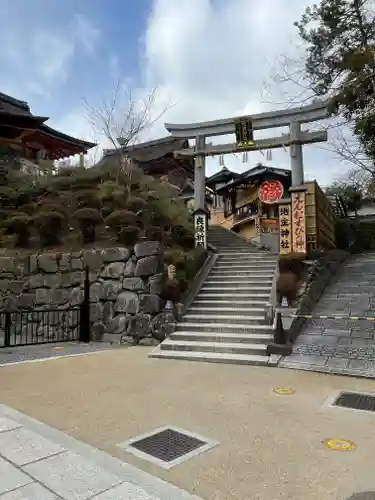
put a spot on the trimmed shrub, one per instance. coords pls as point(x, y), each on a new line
point(154, 233)
point(88, 199)
point(136, 203)
point(120, 219)
point(20, 226)
point(88, 219)
point(364, 237)
point(128, 236)
point(182, 236)
point(49, 226)
point(28, 209)
point(51, 205)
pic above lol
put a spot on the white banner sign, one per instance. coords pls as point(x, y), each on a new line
point(200, 229)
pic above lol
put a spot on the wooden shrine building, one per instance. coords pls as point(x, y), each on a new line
point(25, 137)
point(258, 204)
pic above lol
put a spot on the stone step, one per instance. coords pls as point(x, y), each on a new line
point(205, 326)
point(245, 257)
point(219, 288)
point(241, 276)
point(250, 311)
point(257, 271)
point(258, 253)
point(223, 318)
point(238, 280)
point(235, 295)
point(230, 302)
point(212, 357)
point(222, 347)
point(249, 338)
point(264, 266)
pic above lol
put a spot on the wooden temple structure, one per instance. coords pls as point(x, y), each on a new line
point(25, 136)
point(261, 205)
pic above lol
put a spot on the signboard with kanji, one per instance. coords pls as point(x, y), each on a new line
point(271, 191)
point(257, 226)
point(285, 221)
point(244, 132)
point(299, 222)
point(200, 230)
point(269, 226)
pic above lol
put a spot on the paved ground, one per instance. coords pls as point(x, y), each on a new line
point(270, 446)
point(341, 346)
point(11, 355)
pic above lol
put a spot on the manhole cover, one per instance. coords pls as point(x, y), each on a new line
point(167, 446)
point(356, 401)
point(365, 495)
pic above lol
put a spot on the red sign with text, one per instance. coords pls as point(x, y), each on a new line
point(271, 191)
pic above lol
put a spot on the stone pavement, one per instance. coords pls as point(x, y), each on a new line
point(271, 447)
point(341, 346)
point(38, 462)
point(14, 355)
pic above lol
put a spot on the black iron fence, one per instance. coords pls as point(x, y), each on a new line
point(47, 325)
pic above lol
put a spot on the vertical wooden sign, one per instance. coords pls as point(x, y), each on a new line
point(299, 221)
point(285, 222)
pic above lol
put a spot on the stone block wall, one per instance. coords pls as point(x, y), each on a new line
point(125, 289)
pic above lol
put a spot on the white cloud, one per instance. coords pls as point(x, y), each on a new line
point(212, 58)
point(37, 56)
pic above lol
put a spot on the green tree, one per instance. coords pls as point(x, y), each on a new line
point(340, 61)
point(351, 194)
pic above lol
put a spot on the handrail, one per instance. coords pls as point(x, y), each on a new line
point(198, 281)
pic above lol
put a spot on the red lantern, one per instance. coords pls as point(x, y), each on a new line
point(271, 191)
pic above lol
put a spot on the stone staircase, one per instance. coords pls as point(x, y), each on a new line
point(225, 323)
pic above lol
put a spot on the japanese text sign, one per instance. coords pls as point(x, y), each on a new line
point(299, 222)
point(285, 222)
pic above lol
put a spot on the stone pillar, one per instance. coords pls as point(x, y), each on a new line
point(296, 157)
point(200, 175)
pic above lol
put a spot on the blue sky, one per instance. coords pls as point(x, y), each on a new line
point(209, 58)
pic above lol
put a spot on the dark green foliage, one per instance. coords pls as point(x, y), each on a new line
point(187, 264)
point(128, 236)
point(121, 218)
point(88, 219)
point(28, 209)
point(49, 226)
point(351, 194)
point(344, 234)
point(88, 198)
point(20, 226)
point(355, 235)
point(154, 233)
point(340, 36)
point(135, 203)
point(54, 204)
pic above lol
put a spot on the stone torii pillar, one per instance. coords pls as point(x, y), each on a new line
point(200, 213)
point(296, 155)
point(200, 174)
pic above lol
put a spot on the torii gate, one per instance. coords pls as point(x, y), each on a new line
point(243, 128)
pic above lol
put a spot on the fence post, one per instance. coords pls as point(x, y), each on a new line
point(84, 311)
point(8, 323)
point(280, 334)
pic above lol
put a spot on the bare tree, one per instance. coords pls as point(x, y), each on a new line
point(288, 80)
point(123, 119)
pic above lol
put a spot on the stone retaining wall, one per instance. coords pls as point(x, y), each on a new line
point(125, 288)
